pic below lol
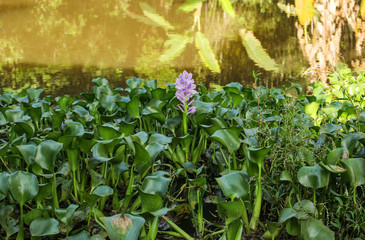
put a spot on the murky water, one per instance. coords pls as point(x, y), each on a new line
point(61, 45)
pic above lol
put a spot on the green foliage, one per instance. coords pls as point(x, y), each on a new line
point(251, 161)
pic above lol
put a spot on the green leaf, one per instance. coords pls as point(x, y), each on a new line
point(123, 226)
point(141, 156)
point(286, 214)
point(190, 5)
point(28, 152)
point(227, 138)
point(313, 229)
point(174, 46)
point(7, 222)
point(336, 155)
point(305, 206)
point(23, 186)
point(101, 153)
point(227, 7)
point(313, 177)
point(257, 154)
point(285, 176)
point(46, 153)
point(156, 185)
point(159, 20)
point(150, 202)
point(74, 129)
point(256, 52)
point(206, 53)
point(230, 211)
point(233, 185)
point(103, 191)
point(23, 126)
point(84, 236)
point(311, 109)
point(292, 226)
point(356, 170)
point(235, 230)
point(44, 226)
point(133, 108)
point(4, 182)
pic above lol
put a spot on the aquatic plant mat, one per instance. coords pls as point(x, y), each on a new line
point(249, 163)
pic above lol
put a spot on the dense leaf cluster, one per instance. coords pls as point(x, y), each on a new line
point(115, 163)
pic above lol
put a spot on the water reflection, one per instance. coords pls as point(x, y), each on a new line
point(60, 45)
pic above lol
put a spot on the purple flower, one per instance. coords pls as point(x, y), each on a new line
point(185, 89)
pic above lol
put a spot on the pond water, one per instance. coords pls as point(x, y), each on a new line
point(61, 45)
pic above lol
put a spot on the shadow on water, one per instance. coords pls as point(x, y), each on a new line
point(61, 45)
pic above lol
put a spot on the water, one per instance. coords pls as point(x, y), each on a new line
point(61, 45)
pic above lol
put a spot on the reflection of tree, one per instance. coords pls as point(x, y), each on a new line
point(322, 44)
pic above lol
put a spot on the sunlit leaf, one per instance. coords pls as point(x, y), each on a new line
point(174, 46)
point(151, 13)
point(256, 52)
point(304, 10)
point(190, 5)
point(206, 53)
point(227, 7)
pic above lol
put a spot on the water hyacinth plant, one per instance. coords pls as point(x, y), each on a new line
point(185, 89)
point(255, 163)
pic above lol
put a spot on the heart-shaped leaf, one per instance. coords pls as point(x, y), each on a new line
point(23, 186)
point(313, 177)
point(46, 154)
point(233, 185)
point(44, 226)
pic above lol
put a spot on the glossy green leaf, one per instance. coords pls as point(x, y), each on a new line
point(44, 226)
point(13, 115)
point(256, 52)
point(292, 226)
point(107, 132)
point(101, 152)
point(313, 177)
point(123, 226)
point(257, 154)
point(74, 129)
point(150, 202)
point(23, 186)
point(206, 53)
point(305, 206)
point(233, 185)
point(103, 191)
point(286, 214)
point(336, 155)
point(356, 170)
point(4, 182)
point(46, 153)
point(227, 138)
point(23, 126)
point(141, 156)
point(66, 215)
point(230, 211)
point(28, 152)
point(156, 185)
point(313, 229)
point(133, 108)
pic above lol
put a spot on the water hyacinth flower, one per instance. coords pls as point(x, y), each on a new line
point(185, 89)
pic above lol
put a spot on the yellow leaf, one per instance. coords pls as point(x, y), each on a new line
point(304, 10)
